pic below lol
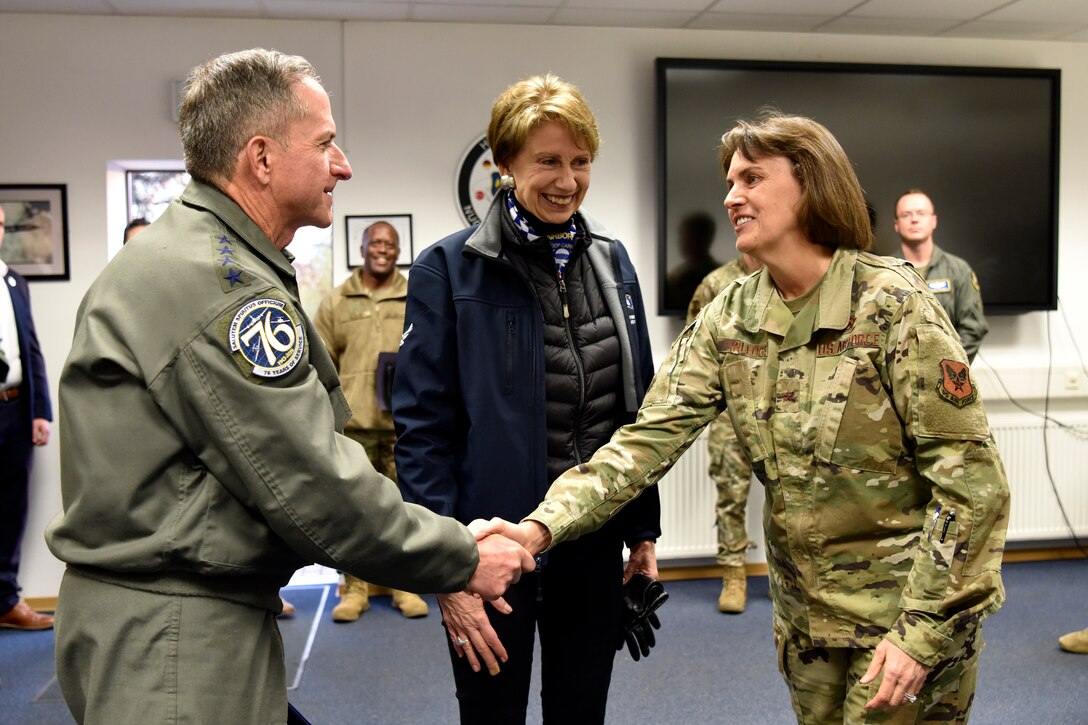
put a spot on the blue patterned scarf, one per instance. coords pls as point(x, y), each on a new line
point(562, 240)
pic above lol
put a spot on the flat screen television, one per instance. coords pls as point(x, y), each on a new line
point(981, 142)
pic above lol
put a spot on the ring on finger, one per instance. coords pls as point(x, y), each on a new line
point(910, 698)
point(460, 642)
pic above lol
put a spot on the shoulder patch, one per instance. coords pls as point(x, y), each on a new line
point(225, 264)
point(955, 384)
point(269, 339)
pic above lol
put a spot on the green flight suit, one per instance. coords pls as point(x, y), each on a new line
point(954, 284)
point(202, 463)
point(861, 418)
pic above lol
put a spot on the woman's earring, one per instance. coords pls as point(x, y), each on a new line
point(507, 182)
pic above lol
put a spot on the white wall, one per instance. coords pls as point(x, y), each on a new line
point(77, 93)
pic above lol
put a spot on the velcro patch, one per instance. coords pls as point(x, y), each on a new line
point(939, 285)
point(270, 340)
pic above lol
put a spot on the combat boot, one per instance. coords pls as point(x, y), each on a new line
point(354, 600)
point(410, 605)
point(1075, 642)
point(734, 590)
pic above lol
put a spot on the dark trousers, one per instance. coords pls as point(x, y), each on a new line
point(575, 603)
point(16, 447)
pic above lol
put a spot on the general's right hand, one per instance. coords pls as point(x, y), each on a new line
point(465, 619)
point(533, 535)
point(502, 562)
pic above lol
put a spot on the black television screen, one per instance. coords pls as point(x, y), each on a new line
point(981, 142)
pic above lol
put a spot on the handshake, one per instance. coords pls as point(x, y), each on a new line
point(506, 551)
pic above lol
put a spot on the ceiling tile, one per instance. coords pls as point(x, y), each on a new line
point(764, 23)
point(88, 7)
point(1045, 11)
point(621, 18)
point(692, 6)
point(784, 7)
point(1009, 31)
point(888, 26)
point(338, 9)
point(434, 12)
point(207, 8)
point(548, 4)
point(926, 9)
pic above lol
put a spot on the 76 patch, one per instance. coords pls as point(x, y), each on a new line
point(266, 335)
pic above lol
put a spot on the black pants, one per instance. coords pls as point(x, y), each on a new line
point(575, 601)
point(16, 448)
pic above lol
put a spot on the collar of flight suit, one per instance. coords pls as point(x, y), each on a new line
point(767, 311)
point(204, 196)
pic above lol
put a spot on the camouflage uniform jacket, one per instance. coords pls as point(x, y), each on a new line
point(861, 418)
point(954, 284)
point(356, 324)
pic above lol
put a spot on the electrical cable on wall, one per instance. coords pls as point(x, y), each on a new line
point(1047, 419)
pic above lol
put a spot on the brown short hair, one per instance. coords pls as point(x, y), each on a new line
point(532, 101)
point(832, 210)
point(231, 99)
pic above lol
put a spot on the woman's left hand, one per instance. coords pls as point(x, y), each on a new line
point(643, 560)
point(904, 677)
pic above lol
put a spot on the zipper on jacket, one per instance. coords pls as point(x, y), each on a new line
point(511, 335)
point(577, 365)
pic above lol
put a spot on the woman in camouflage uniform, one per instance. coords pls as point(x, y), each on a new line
point(886, 501)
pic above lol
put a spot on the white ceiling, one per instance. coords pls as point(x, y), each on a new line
point(1064, 20)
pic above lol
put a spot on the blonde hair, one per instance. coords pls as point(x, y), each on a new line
point(832, 211)
point(532, 101)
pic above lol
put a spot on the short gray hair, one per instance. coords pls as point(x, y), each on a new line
point(231, 99)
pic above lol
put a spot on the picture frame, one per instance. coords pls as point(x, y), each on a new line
point(148, 192)
point(36, 230)
point(356, 225)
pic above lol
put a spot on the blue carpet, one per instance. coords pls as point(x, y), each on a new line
point(707, 667)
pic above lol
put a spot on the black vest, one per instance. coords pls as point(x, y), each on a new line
point(581, 350)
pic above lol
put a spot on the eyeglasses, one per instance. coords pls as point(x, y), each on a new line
point(382, 244)
point(913, 214)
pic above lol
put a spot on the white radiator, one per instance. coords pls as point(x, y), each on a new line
point(688, 495)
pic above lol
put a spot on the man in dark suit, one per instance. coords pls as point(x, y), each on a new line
point(25, 412)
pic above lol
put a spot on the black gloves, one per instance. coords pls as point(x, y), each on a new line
point(641, 597)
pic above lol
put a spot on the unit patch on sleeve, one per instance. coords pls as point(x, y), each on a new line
point(955, 384)
point(268, 338)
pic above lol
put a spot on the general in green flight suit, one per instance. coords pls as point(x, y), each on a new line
point(201, 459)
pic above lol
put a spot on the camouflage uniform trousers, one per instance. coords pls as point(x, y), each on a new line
point(824, 682)
point(732, 473)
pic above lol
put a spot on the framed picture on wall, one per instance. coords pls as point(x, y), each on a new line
point(35, 240)
point(150, 191)
point(357, 225)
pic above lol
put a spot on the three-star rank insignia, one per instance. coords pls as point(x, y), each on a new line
point(270, 340)
point(955, 384)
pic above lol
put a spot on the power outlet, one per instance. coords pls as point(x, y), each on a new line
point(1072, 380)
